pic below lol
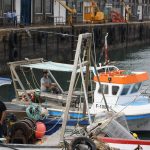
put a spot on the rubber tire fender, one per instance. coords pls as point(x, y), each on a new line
point(82, 140)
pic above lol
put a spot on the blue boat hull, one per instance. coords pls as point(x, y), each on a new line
point(55, 122)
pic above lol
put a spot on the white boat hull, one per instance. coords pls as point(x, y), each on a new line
point(137, 114)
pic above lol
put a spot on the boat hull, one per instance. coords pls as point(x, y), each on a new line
point(126, 144)
point(136, 123)
point(142, 124)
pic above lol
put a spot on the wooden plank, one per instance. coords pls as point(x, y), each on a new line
point(49, 96)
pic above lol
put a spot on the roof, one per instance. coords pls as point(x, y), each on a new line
point(4, 81)
point(122, 77)
point(53, 66)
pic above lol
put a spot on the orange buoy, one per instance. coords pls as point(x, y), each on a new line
point(40, 130)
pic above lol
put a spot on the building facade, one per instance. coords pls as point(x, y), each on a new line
point(43, 11)
point(28, 11)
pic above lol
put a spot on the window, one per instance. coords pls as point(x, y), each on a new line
point(49, 6)
point(87, 7)
point(107, 69)
point(125, 89)
point(79, 7)
point(7, 5)
point(103, 88)
point(101, 70)
point(136, 87)
point(38, 6)
point(87, 10)
point(93, 86)
point(115, 90)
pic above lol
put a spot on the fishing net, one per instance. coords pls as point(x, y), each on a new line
point(110, 124)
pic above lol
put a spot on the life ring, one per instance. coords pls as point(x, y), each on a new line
point(30, 95)
point(81, 142)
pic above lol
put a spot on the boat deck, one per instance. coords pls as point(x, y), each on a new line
point(51, 142)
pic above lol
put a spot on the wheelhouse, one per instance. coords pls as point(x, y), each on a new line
point(119, 89)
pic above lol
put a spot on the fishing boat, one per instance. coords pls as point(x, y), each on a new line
point(53, 140)
point(122, 90)
point(115, 89)
point(22, 134)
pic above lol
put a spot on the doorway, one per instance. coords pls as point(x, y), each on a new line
point(26, 12)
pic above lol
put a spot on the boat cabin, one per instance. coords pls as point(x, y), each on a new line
point(119, 87)
point(106, 68)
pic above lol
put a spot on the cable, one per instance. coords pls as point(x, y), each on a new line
point(55, 33)
point(28, 83)
point(3, 145)
point(94, 45)
point(34, 79)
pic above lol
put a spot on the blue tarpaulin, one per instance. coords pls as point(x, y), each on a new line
point(4, 81)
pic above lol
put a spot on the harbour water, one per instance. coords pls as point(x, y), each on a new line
point(136, 59)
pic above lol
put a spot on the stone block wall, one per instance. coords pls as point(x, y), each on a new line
point(57, 43)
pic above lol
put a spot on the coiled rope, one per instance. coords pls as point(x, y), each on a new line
point(34, 111)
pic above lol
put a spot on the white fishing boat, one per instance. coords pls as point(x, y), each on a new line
point(122, 91)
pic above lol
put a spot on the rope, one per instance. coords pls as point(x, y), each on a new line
point(28, 83)
point(55, 33)
point(34, 111)
point(34, 79)
point(10, 147)
point(94, 46)
point(38, 116)
point(101, 54)
point(47, 123)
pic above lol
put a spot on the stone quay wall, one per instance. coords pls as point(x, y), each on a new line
point(57, 43)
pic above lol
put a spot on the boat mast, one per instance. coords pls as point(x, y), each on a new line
point(88, 56)
point(77, 62)
point(106, 62)
point(106, 49)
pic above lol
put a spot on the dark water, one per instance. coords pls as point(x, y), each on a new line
point(135, 59)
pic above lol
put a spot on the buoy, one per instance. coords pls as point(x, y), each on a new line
point(135, 135)
point(40, 130)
